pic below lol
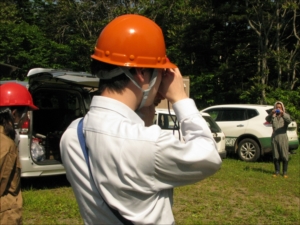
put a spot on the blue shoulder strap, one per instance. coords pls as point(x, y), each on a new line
point(82, 143)
point(86, 156)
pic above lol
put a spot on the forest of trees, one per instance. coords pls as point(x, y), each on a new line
point(233, 51)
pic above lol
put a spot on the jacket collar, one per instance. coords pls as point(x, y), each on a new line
point(115, 106)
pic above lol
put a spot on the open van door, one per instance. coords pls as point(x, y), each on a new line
point(53, 76)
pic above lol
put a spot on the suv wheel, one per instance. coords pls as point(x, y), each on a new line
point(248, 150)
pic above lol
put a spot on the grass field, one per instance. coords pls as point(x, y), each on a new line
point(240, 193)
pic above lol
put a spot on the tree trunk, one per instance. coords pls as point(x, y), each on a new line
point(279, 69)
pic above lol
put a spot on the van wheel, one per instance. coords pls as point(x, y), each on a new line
point(248, 150)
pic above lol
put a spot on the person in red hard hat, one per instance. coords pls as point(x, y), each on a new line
point(122, 168)
point(15, 101)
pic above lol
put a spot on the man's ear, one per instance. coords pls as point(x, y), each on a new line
point(140, 75)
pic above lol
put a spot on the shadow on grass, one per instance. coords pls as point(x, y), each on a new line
point(259, 170)
point(266, 159)
point(263, 159)
point(47, 182)
point(231, 155)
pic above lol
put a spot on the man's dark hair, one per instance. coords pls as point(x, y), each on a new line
point(116, 84)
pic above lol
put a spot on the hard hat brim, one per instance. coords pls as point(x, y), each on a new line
point(162, 65)
point(33, 107)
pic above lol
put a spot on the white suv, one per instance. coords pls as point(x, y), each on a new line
point(246, 130)
point(167, 121)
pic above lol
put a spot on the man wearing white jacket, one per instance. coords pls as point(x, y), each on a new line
point(132, 168)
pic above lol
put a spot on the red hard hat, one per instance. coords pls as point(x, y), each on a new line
point(132, 41)
point(13, 94)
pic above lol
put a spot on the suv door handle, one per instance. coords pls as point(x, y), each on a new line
point(240, 125)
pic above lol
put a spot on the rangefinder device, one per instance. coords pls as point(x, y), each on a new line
point(277, 111)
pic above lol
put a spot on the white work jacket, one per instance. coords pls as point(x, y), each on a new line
point(134, 167)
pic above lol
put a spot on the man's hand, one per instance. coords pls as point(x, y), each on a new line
point(172, 87)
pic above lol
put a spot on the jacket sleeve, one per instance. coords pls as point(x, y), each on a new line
point(287, 118)
point(269, 118)
point(180, 163)
point(7, 163)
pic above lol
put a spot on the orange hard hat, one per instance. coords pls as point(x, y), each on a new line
point(13, 94)
point(132, 41)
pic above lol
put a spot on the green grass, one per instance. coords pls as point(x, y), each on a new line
point(240, 193)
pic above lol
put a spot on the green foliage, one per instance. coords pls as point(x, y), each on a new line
point(25, 46)
point(252, 95)
point(215, 42)
point(202, 87)
point(290, 99)
point(8, 13)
